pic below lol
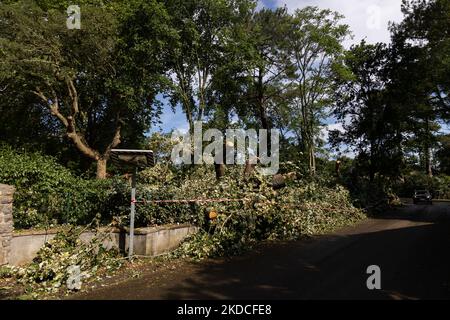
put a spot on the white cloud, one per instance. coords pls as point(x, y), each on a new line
point(173, 121)
point(324, 133)
point(368, 19)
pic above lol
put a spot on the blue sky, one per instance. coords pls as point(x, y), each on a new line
point(367, 19)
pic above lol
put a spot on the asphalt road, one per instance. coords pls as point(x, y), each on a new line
point(411, 247)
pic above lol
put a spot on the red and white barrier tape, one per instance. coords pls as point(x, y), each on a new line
point(186, 201)
point(193, 200)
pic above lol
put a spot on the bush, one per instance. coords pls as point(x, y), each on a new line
point(439, 185)
point(51, 269)
point(300, 209)
point(289, 214)
point(48, 193)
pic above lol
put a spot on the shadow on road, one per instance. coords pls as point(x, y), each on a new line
point(439, 211)
point(410, 245)
point(412, 254)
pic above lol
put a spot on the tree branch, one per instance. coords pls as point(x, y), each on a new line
point(73, 96)
point(78, 141)
point(116, 139)
point(53, 106)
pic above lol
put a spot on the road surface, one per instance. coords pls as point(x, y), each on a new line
point(411, 247)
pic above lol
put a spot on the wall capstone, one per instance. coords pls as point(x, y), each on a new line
point(6, 222)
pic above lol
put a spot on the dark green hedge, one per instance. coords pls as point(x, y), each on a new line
point(48, 193)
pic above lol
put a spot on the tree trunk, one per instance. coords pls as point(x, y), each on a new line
point(101, 168)
point(260, 102)
point(338, 168)
point(428, 168)
point(220, 167)
point(220, 170)
point(71, 129)
point(249, 168)
point(312, 160)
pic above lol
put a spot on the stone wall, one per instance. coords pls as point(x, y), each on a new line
point(21, 247)
point(151, 241)
point(6, 222)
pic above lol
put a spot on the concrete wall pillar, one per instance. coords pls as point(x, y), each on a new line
point(6, 222)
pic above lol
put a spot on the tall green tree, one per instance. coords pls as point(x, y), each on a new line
point(443, 154)
point(315, 60)
point(264, 68)
point(195, 59)
point(372, 125)
point(84, 79)
point(420, 69)
point(250, 78)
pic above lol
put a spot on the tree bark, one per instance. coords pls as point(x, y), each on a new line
point(260, 102)
point(312, 156)
point(428, 168)
point(337, 168)
point(220, 167)
point(78, 138)
point(101, 168)
point(372, 162)
point(220, 170)
point(249, 168)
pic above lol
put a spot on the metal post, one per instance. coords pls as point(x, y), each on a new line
point(133, 209)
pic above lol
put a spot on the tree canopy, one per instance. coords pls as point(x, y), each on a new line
point(78, 93)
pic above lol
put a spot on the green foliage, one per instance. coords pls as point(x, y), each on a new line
point(372, 124)
point(311, 73)
point(274, 218)
point(87, 85)
point(50, 270)
point(301, 209)
point(218, 60)
point(203, 54)
point(49, 194)
point(419, 71)
point(438, 185)
point(422, 51)
point(443, 154)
